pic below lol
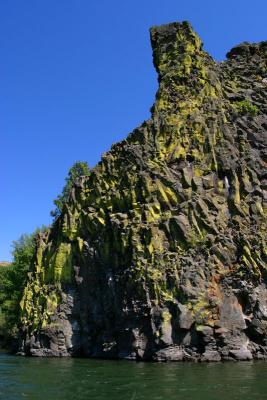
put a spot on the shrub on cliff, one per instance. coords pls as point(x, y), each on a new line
point(79, 168)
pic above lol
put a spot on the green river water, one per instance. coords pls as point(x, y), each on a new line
point(76, 379)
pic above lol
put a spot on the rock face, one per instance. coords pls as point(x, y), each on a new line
point(160, 253)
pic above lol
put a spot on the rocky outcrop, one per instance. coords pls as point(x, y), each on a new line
point(160, 253)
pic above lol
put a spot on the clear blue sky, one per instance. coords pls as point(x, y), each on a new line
point(76, 76)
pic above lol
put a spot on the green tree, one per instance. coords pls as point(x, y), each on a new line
point(79, 168)
point(13, 279)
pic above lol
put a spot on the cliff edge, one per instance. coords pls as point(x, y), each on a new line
point(160, 254)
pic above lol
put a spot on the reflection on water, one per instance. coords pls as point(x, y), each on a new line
point(76, 379)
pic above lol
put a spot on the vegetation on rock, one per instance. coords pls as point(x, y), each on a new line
point(79, 169)
point(13, 278)
point(245, 107)
point(160, 252)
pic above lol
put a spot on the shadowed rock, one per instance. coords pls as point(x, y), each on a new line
point(160, 253)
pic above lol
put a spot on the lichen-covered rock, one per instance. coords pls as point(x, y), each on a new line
point(160, 253)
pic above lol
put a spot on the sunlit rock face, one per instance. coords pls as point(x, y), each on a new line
point(160, 253)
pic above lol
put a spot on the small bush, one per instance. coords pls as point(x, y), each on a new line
point(245, 107)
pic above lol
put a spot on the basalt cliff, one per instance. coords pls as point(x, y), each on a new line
point(160, 253)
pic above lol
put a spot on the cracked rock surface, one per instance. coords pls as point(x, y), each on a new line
point(160, 253)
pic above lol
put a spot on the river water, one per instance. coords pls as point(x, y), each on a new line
point(78, 379)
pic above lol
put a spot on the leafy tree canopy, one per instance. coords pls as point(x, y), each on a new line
point(79, 168)
point(13, 280)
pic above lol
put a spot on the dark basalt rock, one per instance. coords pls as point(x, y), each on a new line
point(160, 254)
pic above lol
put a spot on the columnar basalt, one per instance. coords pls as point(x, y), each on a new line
point(160, 253)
